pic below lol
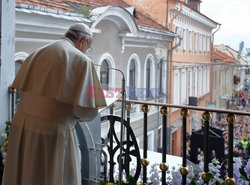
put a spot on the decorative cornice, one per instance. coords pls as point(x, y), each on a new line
point(193, 15)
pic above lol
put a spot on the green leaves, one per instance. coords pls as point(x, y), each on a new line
point(7, 127)
point(194, 182)
point(85, 10)
point(243, 174)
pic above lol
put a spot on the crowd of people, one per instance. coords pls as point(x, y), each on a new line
point(241, 131)
point(241, 102)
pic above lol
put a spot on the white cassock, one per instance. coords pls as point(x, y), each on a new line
point(42, 143)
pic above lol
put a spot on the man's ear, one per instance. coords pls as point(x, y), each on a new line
point(82, 41)
point(78, 44)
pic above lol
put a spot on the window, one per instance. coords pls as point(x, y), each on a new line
point(190, 82)
point(205, 43)
point(104, 74)
point(208, 79)
point(160, 77)
point(183, 86)
point(196, 42)
point(18, 64)
point(215, 77)
point(148, 77)
point(132, 76)
point(200, 82)
point(204, 84)
point(195, 84)
point(19, 59)
point(200, 42)
point(177, 32)
point(176, 87)
point(190, 41)
point(184, 40)
point(208, 44)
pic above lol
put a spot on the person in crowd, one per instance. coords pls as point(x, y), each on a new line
point(201, 159)
point(213, 156)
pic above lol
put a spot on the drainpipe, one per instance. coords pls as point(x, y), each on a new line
point(170, 56)
point(167, 5)
point(173, 18)
point(212, 66)
point(169, 92)
point(169, 72)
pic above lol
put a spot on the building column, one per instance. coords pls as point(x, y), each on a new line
point(7, 57)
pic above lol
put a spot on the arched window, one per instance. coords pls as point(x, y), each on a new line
point(132, 80)
point(18, 64)
point(19, 59)
point(148, 77)
point(160, 77)
point(104, 74)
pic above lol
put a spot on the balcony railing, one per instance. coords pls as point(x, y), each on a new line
point(130, 141)
point(130, 146)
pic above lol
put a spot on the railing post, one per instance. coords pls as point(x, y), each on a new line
point(184, 169)
point(110, 148)
point(144, 160)
point(164, 166)
point(206, 116)
point(128, 108)
point(230, 120)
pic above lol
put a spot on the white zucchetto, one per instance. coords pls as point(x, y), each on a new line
point(81, 27)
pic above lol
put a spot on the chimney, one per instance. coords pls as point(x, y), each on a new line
point(194, 4)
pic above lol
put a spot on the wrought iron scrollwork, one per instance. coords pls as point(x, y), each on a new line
point(113, 146)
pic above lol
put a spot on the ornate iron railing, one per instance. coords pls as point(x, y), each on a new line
point(130, 147)
point(184, 113)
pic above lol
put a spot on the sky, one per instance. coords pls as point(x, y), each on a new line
point(234, 17)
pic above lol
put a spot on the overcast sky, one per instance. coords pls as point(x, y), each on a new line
point(234, 17)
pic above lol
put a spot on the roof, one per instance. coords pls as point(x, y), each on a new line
point(207, 17)
point(198, 12)
point(219, 55)
point(231, 52)
point(76, 5)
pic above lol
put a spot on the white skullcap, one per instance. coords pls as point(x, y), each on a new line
point(81, 27)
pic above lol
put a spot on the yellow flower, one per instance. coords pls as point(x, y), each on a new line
point(5, 144)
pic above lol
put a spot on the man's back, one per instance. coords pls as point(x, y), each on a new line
point(53, 71)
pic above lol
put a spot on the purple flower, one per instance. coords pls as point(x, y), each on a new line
point(176, 178)
point(237, 166)
point(247, 168)
point(236, 172)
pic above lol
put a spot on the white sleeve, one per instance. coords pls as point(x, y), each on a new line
point(85, 113)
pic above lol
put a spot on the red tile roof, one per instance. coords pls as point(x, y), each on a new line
point(69, 5)
point(219, 55)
